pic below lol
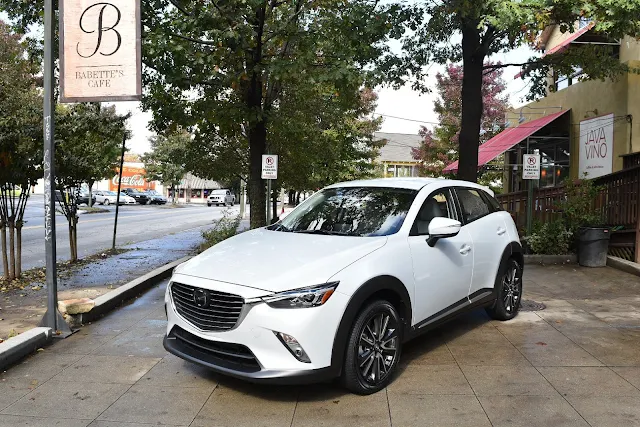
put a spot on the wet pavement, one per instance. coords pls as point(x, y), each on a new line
point(575, 363)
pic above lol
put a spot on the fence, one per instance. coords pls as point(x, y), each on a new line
point(618, 203)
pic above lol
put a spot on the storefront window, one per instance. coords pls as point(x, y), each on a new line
point(196, 194)
point(181, 193)
point(554, 159)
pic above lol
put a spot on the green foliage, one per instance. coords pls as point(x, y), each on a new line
point(223, 229)
point(551, 238)
point(167, 159)
point(578, 208)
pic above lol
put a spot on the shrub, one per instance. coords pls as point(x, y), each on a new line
point(551, 238)
point(225, 227)
point(578, 206)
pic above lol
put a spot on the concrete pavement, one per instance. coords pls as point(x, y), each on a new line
point(575, 363)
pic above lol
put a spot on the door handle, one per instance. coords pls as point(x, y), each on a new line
point(501, 231)
point(465, 249)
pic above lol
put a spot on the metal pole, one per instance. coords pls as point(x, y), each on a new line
point(242, 198)
point(268, 202)
point(52, 318)
point(529, 200)
point(115, 223)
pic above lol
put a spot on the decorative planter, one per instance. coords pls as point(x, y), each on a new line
point(593, 246)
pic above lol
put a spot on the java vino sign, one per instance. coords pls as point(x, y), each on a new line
point(100, 55)
point(596, 146)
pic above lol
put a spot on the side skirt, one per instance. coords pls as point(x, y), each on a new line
point(481, 298)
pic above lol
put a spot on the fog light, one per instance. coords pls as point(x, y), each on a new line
point(293, 346)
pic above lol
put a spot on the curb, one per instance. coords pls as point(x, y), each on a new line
point(550, 259)
point(22, 345)
point(623, 265)
point(107, 302)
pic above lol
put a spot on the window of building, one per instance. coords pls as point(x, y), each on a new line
point(181, 193)
point(554, 164)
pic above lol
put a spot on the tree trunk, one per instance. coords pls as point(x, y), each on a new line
point(173, 194)
point(298, 198)
point(19, 251)
point(5, 259)
point(12, 251)
point(473, 53)
point(90, 202)
point(72, 243)
point(274, 205)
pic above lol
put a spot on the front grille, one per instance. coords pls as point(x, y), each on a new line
point(227, 355)
point(220, 311)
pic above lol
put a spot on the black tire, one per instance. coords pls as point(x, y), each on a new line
point(209, 204)
point(368, 368)
point(106, 202)
point(508, 292)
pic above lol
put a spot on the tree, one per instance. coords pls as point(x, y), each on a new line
point(493, 26)
point(222, 69)
point(20, 144)
point(167, 159)
point(440, 146)
point(88, 139)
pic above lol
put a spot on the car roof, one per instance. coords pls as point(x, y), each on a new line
point(409, 183)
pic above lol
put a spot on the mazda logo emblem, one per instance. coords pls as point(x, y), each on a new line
point(201, 297)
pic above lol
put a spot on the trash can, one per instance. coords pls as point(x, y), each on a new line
point(593, 246)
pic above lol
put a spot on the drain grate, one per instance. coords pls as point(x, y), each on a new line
point(528, 305)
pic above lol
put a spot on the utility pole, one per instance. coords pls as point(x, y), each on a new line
point(52, 318)
point(115, 223)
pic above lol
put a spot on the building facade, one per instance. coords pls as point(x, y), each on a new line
point(580, 128)
point(396, 159)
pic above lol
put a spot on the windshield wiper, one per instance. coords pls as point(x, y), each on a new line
point(323, 232)
point(278, 227)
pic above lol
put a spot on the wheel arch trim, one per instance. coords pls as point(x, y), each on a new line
point(364, 292)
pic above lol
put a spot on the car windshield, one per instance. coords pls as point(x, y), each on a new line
point(108, 193)
point(219, 192)
point(351, 211)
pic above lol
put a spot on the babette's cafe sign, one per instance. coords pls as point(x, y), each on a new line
point(100, 55)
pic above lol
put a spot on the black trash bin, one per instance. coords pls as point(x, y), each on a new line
point(593, 246)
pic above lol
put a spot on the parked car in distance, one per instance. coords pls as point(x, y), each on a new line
point(138, 195)
point(221, 198)
point(155, 198)
point(125, 199)
point(371, 264)
point(83, 198)
point(106, 197)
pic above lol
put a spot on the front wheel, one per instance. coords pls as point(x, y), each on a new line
point(373, 348)
point(508, 292)
point(106, 202)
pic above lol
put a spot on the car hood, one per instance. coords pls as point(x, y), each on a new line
point(278, 261)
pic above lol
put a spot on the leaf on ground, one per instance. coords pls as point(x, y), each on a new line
point(36, 288)
point(541, 343)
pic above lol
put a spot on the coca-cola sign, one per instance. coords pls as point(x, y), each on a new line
point(132, 177)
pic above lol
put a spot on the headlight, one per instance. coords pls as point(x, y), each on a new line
point(302, 298)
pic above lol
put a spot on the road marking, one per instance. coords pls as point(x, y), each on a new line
point(35, 227)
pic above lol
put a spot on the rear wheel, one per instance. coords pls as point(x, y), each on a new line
point(373, 348)
point(106, 202)
point(508, 292)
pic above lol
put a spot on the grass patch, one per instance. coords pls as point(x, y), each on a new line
point(223, 228)
point(93, 210)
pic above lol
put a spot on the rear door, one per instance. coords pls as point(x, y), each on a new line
point(489, 236)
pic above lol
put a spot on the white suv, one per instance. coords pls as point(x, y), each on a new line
point(336, 287)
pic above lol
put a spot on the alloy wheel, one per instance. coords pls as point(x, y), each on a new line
point(377, 348)
point(511, 289)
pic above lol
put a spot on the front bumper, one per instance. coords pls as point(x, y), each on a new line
point(314, 328)
point(192, 352)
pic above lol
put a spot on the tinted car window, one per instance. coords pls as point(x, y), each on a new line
point(473, 204)
point(351, 211)
point(493, 203)
point(438, 204)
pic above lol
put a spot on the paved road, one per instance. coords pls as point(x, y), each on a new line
point(95, 231)
point(576, 363)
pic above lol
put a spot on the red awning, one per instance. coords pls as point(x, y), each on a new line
point(564, 44)
point(507, 139)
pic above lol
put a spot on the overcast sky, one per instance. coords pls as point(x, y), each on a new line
point(414, 109)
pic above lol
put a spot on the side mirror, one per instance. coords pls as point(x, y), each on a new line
point(441, 228)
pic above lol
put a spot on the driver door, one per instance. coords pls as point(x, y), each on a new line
point(442, 273)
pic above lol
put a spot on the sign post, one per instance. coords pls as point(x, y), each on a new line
point(269, 172)
point(100, 61)
point(530, 172)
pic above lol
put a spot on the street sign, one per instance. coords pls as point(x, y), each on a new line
point(531, 166)
point(269, 166)
point(100, 50)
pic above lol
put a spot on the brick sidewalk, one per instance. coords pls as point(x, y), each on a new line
point(576, 363)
